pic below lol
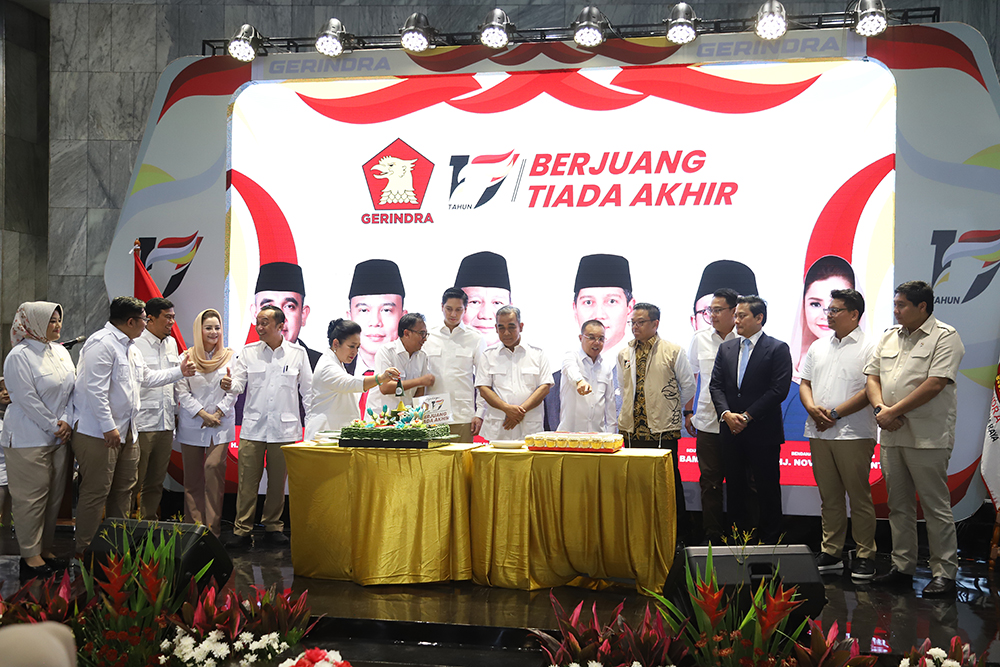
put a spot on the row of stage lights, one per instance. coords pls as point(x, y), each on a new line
point(591, 28)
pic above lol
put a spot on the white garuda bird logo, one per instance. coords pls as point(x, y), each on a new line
point(399, 180)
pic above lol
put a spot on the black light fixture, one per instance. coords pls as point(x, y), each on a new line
point(332, 38)
point(680, 25)
point(416, 33)
point(496, 29)
point(771, 20)
point(244, 44)
point(589, 27)
point(871, 18)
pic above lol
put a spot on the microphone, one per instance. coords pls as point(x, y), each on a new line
point(72, 343)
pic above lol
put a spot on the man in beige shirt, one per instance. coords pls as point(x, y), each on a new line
point(911, 384)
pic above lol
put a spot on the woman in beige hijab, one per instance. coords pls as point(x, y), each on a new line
point(206, 423)
point(40, 376)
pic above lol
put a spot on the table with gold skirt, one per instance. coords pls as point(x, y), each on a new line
point(380, 516)
point(542, 519)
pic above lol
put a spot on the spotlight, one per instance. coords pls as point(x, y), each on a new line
point(771, 21)
point(495, 30)
point(680, 25)
point(871, 18)
point(417, 33)
point(244, 44)
point(331, 39)
point(589, 27)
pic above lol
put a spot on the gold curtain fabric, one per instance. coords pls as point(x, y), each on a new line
point(542, 519)
point(380, 516)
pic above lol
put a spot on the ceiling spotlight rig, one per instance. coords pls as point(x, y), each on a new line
point(590, 29)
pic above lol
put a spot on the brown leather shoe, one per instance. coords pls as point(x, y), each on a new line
point(939, 587)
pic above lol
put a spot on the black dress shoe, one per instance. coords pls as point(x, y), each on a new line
point(276, 538)
point(234, 541)
point(894, 578)
point(939, 587)
point(39, 571)
point(57, 564)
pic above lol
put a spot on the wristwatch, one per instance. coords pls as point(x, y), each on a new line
point(833, 413)
point(688, 413)
point(878, 409)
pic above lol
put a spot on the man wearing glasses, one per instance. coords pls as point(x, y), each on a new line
point(841, 432)
point(155, 419)
point(105, 406)
point(514, 381)
point(404, 353)
point(656, 382)
point(588, 388)
point(702, 421)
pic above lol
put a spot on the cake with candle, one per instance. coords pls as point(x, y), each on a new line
point(403, 427)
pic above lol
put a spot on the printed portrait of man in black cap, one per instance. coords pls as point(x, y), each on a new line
point(603, 292)
point(280, 284)
point(484, 279)
point(376, 303)
point(717, 275)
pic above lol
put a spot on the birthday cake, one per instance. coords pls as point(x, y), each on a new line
point(574, 442)
point(397, 428)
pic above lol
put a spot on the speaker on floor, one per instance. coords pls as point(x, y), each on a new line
point(743, 568)
point(195, 548)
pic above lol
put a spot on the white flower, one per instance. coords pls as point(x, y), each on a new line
point(594, 663)
point(573, 664)
point(216, 635)
point(951, 663)
point(246, 637)
point(289, 663)
point(208, 663)
point(165, 646)
point(220, 650)
point(252, 658)
point(905, 662)
point(333, 656)
point(163, 659)
point(937, 653)
point(636, 664)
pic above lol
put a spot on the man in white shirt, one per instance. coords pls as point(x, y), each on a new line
point(514, 381)
point(588, 388)
point(453, 353)
point(155, 420)
point(106, 405)
point(841, 434)
point(271, 371)
point(405, 354)
point(702, 421)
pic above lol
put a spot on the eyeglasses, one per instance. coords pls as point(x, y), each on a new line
point(422, 334)
point(706, 313)
point(833, 311)
point(639, 323)
point(594, 339)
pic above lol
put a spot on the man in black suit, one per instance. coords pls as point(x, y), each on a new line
point(750, 379)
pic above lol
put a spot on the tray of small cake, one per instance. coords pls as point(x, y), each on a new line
point(402, 428)
point(574, 442)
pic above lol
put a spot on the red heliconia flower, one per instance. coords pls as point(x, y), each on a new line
point(775, 609)
point(710, 599)
point(116, 580)
point(149, 574)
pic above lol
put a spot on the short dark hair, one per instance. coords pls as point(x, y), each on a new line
point(917, 292)
point(589, 322)
point(124, 308)
point(651, 310)
point(626, 292)
point(731, 296)
point(455, 293)
point(407, 321)
point(851, 298)
point(279, 314)
point(157, 305)
point(757, 306)
point(341, 329)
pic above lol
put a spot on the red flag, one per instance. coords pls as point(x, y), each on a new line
point(146, 289)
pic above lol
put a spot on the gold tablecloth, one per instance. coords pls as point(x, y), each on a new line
point(542, 519)
point(380, 516)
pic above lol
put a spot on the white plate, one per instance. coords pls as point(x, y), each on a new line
point(507, 444)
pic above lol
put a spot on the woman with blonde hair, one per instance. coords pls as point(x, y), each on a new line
point(40, 377)
point(206, 423)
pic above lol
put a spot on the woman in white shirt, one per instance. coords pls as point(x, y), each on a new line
point(335, 392)
point(40, 376)
point(206, 423)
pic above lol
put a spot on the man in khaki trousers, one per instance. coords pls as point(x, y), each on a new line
point(106, 401)
point(841, 432)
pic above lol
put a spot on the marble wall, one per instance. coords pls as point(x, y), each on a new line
point(24, 67)
point(106, 56)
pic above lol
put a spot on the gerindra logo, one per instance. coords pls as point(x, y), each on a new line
point(397, 177)
point(979, 244)
point(476, 179)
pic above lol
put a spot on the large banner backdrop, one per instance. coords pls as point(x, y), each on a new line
point(664, 156)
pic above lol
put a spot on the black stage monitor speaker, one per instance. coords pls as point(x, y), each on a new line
point(196, 547)
point(794, 565)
